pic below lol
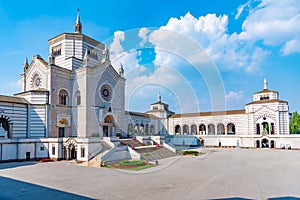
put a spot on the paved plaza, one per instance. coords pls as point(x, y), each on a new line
point(219, 174)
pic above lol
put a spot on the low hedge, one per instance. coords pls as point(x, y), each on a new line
point(132, 163)
point(190, 152)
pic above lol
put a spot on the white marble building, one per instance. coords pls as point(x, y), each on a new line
point(73, 101)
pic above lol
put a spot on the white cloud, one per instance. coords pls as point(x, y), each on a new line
point(116, 47)
point(17, 84)
point(241, 8)
point(210, 33)
point(232, 95)
point(143, 34)
point(291, 46)
point(273, 22)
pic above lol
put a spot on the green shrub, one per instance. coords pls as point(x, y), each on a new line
point(95, 135)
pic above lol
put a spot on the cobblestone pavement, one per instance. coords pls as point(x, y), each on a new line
point(219, 174)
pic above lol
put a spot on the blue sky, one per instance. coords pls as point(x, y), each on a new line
point(243, 41)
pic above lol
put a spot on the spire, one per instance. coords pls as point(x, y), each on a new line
point(121, 70)
point(25, 65)
point(265, 84)
point(159, 97)
point(78, 26)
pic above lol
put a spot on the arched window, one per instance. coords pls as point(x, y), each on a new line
point(257, 144)
point(230, 129)
point(62, 124)
point(211, 129)
point(142, 129)
point(185, 129)
point(257, 129)
point(177, 129)
point(4, 127)
point(63, 97)
point(266, 128)
point(78, 98)
point(194, 129)
point(202, 129)
point(272, 128)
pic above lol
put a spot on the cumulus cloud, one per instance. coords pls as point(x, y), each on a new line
point(209, 32)
point(292, 46)
point(116, 47)
point(273, 22)
point(143, 34)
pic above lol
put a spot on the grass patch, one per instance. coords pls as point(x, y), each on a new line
point(134, 165)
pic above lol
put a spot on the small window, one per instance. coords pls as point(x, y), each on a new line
point(82, 152)
point(42, 148)
point(61, 131)
point(78, 98)
point(53, 149)
point(56, 51)
point(155, 108)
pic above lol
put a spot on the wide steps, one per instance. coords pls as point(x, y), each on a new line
point(131, 143)
point(158, 153)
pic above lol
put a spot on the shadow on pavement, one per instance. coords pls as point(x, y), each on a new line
point(16, 164)
point(14, 189)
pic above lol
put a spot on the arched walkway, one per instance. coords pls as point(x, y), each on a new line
point(177, 130)
point(185, 129)
point(194, 129)
point(221, 129)
point(202, 129)
point(230, 129)
point(211, 129)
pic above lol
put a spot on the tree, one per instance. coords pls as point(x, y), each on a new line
point(295, 125)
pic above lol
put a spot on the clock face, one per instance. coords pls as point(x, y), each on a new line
point(106, 92)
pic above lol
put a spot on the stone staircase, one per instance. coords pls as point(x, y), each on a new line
point(94, 162)
point(131, 143)
point(155, 153)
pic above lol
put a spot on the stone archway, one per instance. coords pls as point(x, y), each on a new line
point(272, 144)
point(265, 143)
point(108, 127)
point(257, 144)
point(70, 150)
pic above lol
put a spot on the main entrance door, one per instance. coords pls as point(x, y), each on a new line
point(265, 143)
point(108, 126)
